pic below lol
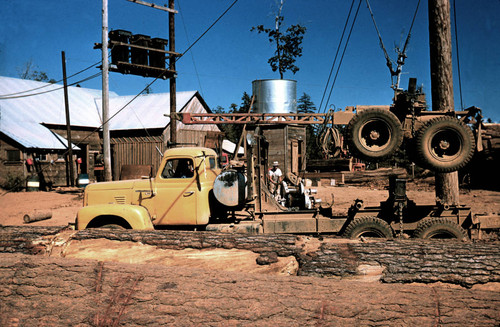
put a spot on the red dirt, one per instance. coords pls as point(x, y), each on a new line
point(64, 205)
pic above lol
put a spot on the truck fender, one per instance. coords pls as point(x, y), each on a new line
point(136, 216)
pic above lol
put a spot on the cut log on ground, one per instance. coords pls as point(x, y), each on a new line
point(36, 216)
point(38, 291)
point(396, 261)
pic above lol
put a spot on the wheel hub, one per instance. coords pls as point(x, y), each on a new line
point(374, 135)
point(444, 145)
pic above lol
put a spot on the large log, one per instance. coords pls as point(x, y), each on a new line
point(398, 261)
point(38, 291)
point(371, 175)
point(324, 165)
point(36, 216)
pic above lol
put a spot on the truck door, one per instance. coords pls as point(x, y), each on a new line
point(177, 193)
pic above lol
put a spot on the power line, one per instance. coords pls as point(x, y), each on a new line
point(46, 85)
point(343, 53)
point(336, 54)
point(147, 86)
point(458, 56)
point(209, 28)
point(192, 56)
point(48, 91)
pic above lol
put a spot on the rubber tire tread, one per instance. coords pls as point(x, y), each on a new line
point(429, 226)
point(367, 224)
point(360, 119)
point(425, 159)
point(112, 226)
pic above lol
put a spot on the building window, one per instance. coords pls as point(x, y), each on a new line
point(41, 157)
point(13, 155)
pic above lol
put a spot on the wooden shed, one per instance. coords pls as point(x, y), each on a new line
point(287, 145)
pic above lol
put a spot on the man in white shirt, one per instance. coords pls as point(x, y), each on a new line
point(275, 177)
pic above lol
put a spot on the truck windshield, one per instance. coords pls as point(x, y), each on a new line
point(178, 168)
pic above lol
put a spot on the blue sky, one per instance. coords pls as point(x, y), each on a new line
point(226, 61)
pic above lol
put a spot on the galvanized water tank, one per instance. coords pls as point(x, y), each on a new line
point(230, 188)
point(275, 96)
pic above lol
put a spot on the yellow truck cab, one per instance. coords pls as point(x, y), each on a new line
point(178, 195)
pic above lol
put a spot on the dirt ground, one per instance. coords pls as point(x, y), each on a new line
point(65, 203)
point(206, 277)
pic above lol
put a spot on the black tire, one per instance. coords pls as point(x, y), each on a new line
point(112, 226)
point(440, 228)
point(444, 144)
point(368, 227)
point(374, 134)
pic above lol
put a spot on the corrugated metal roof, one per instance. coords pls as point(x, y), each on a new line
point(146, 111)
point(49, 107)
point(21, 116)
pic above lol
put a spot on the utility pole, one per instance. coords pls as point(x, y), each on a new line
point(70, 180)
point(171, 67)
point(447, 191)
point(106, 147)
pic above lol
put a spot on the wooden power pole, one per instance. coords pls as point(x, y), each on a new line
point(70, 179)
point(171, 63)
point(447, 191)
point(106, 144)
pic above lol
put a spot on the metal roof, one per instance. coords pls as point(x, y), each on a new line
point(22, 115)
point(147, 111)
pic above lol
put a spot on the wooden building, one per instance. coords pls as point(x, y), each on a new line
point(33, 135)
point(285, 144)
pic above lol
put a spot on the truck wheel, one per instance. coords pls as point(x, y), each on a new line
point(444, 144)
point(374, 134)
point(368, 227)
point(440, 228)
point(112, 226)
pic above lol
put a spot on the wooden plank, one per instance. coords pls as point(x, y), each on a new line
point(152, 5)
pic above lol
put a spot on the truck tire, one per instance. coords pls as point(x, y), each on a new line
point(440, 228)
point(368, 227)
point(112, 226)
point(444, 144)
point(374, 134)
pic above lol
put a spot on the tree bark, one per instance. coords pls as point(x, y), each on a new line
point(447, 190)
point(36, 216)
point(399, 261)
point(37, 291)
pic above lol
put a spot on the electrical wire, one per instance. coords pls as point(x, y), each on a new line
point(458, 56)
point(335, 59)
point(147, 86)
point(208, 29)
point(343, 53)
point(52, 90)
point(192, 56)
point(46, 85)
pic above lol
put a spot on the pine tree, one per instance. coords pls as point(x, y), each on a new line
point(305, 105)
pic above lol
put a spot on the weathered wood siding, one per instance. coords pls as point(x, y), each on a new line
point(136, 151)
point(281, 140)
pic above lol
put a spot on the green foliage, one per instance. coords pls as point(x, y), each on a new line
point(288, 44)
point(13, 182)
point(233, 131)
point(305, 105)
point(28, 72)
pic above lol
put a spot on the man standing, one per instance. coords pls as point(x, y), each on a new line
point(275, 176)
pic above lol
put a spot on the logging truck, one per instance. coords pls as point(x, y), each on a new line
point(190, 191)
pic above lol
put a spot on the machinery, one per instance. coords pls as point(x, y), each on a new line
point(191, 191)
